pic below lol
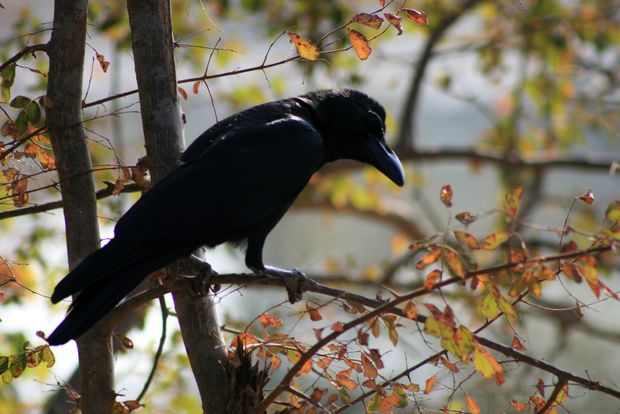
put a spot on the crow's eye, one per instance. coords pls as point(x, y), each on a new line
point(374, 124)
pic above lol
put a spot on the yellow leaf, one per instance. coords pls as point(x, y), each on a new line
point(454, 263)
point(494, 240)
point(360, 44)
point(466, 239)
point(305, 47)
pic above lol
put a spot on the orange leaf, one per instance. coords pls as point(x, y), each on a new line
point(466, 239)
point(338, 327)
point(369, 369)
point(305, 47)
point(432, 278)
point(419, 17)
point(268, 320)
point(472, 405)
point(455, 264)
point(572, 272)
point(517, 344)
point(367, 19)
point(182, 92)
point(410, 310)
point(513, 202)
point(588, 197)
point(343, 379)
point(244, 338)
point(429, 384)
point(519, 406)
point(452, 367)
point(360, 44)
point(399, 243)
point(430, 258)
point(445, 195)
point(466, 217)
point(394, 21)
point(102, 62)
point(494, 240)
point(313, 312)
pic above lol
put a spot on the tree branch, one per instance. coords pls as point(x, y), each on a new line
point(42, 47)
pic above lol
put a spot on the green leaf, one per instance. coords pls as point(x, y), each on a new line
point(4, 364)
point(21, 123)
point(20, 101)
point(33, 111)
point(8, 75)
point(46, 355)
point(17, 365)
point(6, 93)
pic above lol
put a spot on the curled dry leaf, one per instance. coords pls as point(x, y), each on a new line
point(360, 44)
point(102, 62)
point(445, 195)
point(394, 21)
point(305, 47)
point(588, 197)
point(182, 92)
point(370, 20)
point(419, 17)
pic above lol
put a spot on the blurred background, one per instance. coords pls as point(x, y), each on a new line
point(488, 96)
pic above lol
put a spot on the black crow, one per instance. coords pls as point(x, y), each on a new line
point(236, 182)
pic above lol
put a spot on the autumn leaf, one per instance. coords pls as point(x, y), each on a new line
point(519, 406)
point(588, 197)
point(244, 338)
point(472, 405)
point(466, 240)
point(612, 213)
point(452, 367)
point(360, 44)
point(485, 364)
point(432, 278)
point(445, 195)
point(394, 21)
point(512, 202)
point(305, 48)
point(466, 217)
point(343, 379)
point(313, 312)
point(517, 344)
point(454, 263)
point(369, 369)
point(183, 93)
point(268, 320)
point(410, 310)
point(572, 272)
point(429, 384)
point(370, 20)
point(429, 258)
point(419, 17)
point(399, 243)
point(102, 62)
point(494, 240)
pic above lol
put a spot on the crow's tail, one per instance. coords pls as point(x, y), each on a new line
point(104, 278)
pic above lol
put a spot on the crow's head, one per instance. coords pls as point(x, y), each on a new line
point(352, 125)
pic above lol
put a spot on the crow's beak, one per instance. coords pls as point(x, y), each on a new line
point(384, 159)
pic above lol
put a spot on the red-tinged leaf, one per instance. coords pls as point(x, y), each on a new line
point(195, 87)
point(571, 246)
point(376, 358)
point(306, 368)
point(324, 362)
point(571, 271)
point(318, 333)
point(369, 369)
point(494, 240)
point(410, 310)
point(318, 394)
point(445, 195)
point(538, 402)
point(182, 92)
point(485, 364)
point(382, 3)
point(588, 197)
point(370, 384)
point(362, 337)
point(359, 43)
point(429, 384)
point(455, 264)
point(429, 258)
point(332, 399)
point(519, 406)
point(452, 367)
point(434, 310)
point(419, 17)
point(466, 217)
point(313, 312)
point(370, 20)
point(466, 240)
point(540, 386)
point(102, 62)
point(432, 278)
point(394, 21)
point(268, 320)
point(608, 291)
point(337, 327)
point(517, 344)
point(578, 312)
point(305, 48)
point(245, 339)
point(472, 405)
point(353, 365)
point(343, 379)
point(512, 202)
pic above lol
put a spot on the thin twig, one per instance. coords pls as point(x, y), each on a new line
point(160, 348)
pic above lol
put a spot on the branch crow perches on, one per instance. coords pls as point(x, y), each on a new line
point(236, 182)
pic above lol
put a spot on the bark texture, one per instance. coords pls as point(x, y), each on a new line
point(152, 44)
point(64, 123)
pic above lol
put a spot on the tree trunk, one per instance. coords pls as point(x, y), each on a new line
point(64, 123)
point(153, 49)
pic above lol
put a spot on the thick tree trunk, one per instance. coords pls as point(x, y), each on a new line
point(64, 123)
point(152, 43)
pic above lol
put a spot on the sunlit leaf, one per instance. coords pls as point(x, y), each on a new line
point(466, 240)
point(419, 17)
point(445, 195)
point(588, 197)
point(429, 258)
point(394, 21)
point(305, 48)
point(454, 263)
point(430, 382)
point(432, 278)
point(494, 240)
point(269, 320)
point(370, 20)
point(359, 43)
